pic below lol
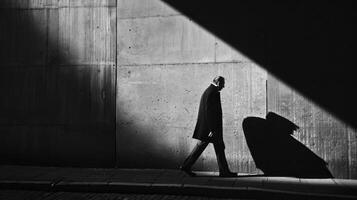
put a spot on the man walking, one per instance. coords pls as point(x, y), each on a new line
point(209, 129)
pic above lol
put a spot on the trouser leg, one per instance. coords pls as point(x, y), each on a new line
point(221, 157)
point(195, 153)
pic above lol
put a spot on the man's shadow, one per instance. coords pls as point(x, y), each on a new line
point(277, 153)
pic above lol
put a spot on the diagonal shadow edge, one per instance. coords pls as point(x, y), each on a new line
point(53, 111)
point(308, 45)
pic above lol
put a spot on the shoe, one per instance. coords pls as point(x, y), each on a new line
point(227, 174)
point(187, 171)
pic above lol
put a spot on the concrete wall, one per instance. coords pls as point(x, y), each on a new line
point(165, 62)
point(118, 82)
point(57, 81)
point(327, 136)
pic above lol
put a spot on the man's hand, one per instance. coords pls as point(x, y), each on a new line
point(210, 134)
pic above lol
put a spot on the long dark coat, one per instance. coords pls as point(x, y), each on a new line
point(209, 116)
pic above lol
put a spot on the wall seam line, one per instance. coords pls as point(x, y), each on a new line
point(116, 84)
point(153, 16)
point(174, 64)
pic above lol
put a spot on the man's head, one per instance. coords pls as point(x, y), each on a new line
point(219, 82)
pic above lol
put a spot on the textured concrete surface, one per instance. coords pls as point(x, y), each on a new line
point(165, 62)
point(157, 107)
point(172, 182)
point(329, 137)
point(163, 54)
point(58, 82)
point(117, 82)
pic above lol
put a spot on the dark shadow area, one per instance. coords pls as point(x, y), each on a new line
point(54, 111)
point(49, 112)
point(137, 148)
point(277, 153)
point(310, 45)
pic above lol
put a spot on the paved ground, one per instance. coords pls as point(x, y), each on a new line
point(41, 195)
point(92, 181)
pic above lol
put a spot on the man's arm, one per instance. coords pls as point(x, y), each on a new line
point(212, 113)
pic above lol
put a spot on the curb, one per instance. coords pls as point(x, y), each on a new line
point(172, 189)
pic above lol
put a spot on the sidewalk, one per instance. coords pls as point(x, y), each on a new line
point(163, 181)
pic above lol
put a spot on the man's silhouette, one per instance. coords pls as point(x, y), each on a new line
point(209, 129)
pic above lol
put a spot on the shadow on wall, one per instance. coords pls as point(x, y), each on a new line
point(55, 111)
point(308, 45)
point(277, 153)
point(51, 113)
point(142, 148)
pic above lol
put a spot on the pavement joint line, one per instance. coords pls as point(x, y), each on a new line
point(62, 183)
point(24, 182)
point(210, 187)
point(167, 185)
point(56, 181)
point(129, 184)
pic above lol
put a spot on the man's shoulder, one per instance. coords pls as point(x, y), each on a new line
point(210, 92)
point(211, 88)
